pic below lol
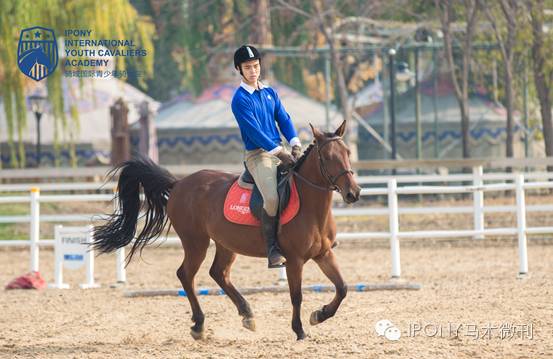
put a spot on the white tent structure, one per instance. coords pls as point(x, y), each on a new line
point(487, 132)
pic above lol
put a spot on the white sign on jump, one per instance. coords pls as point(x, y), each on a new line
point(72, 252)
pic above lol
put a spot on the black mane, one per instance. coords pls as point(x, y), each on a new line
point(305, 153)
point(301, 160)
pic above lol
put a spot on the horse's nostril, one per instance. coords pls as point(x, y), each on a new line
point(351, 197)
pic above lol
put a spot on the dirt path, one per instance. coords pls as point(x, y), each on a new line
point(468, 284)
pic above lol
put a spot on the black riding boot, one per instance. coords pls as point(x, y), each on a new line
point(269, 231)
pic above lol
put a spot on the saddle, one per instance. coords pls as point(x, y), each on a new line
point(244, 203)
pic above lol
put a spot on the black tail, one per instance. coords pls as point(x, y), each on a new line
point(120, 228)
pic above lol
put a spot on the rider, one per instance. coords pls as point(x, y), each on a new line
point(258, 110)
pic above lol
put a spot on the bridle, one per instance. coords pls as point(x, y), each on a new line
point(324, 172)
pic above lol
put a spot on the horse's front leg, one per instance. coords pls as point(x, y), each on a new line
point(327, 263)
point(294, 268)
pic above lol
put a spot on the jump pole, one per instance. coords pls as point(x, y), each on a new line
point(317, 288)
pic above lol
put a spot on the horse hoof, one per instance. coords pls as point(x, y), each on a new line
point(197, 335)
point(314, 318)
point(249, 323)
point(301, 336)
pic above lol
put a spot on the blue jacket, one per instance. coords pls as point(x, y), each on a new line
point(257, 113)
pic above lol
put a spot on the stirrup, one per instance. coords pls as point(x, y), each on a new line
point(281, 264)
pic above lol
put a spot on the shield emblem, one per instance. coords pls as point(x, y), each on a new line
point(37, 52)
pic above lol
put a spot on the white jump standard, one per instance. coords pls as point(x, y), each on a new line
point(72, 251)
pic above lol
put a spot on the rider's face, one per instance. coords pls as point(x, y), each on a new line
point(251, 70)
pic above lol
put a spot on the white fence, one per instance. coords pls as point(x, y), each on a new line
point(478, 188)
point(35, 218)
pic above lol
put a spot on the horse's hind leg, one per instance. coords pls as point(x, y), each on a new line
point(327, 263)
point(195, 249)
point(220, 272)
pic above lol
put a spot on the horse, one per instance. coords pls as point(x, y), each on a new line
point(194, 206)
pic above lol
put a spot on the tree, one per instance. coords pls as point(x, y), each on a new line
point(543, 69)
point(459, 76)
point(324, 17)
point(169, 43)
point(213, 30)
point(505, 31)
point(327, 24)
point(261, 33)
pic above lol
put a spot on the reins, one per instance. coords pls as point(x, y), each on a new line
point(324, 172)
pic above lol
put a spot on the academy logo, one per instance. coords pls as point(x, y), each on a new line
point(37, 52)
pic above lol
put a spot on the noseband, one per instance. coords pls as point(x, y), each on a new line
point(324, 172)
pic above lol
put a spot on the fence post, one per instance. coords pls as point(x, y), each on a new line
point(121, 271)
point(89, 262)
point(120, 253)
point(34, 233)
point(478, 197)
point(58, 260)
point(394, 227)
point(521, 226)
point(282, 278)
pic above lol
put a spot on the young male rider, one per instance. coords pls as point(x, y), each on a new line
point(258, 110)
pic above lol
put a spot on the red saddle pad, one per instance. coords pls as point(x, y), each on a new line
point(237, 206)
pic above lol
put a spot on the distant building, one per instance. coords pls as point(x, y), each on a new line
point(487, 125)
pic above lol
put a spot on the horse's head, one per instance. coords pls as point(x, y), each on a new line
point(334, 162)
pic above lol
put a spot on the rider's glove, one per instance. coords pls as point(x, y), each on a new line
point(285, 158)
point(296, 151)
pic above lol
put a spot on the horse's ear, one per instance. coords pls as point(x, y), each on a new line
point(316, 133)
point(341, 130)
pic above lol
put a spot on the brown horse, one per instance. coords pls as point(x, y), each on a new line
point(194, 205)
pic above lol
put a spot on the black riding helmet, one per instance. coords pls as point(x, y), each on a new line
point(245, 53)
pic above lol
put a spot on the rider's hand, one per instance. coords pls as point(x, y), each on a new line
point(285, 158)
point(296, 151)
